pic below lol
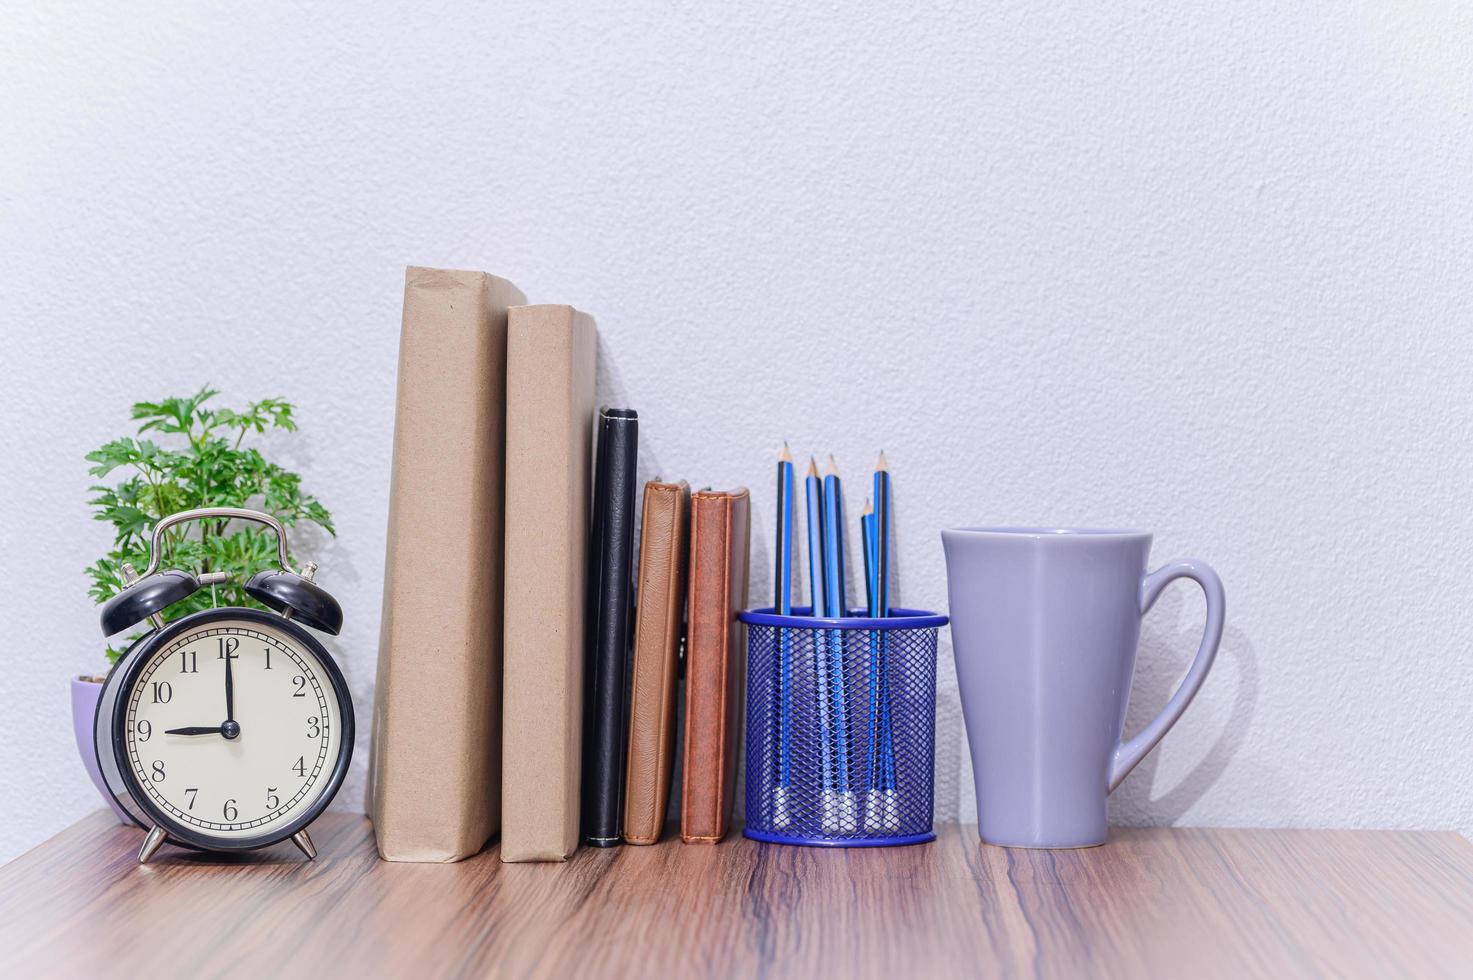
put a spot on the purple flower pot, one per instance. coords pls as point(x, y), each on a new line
point(85, 692)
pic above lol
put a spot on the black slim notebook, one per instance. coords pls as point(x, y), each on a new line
point(610, 591)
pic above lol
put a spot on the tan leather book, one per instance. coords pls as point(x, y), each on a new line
point(550, 363)
point(434, 778)
point(658, 625)
point(715, 662)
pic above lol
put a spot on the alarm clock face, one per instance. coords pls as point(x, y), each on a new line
point(231, 729)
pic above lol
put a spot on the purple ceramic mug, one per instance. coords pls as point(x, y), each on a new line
point(1045, 624)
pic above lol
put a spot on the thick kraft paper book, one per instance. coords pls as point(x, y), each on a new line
point(551, 355)
point(435, 767)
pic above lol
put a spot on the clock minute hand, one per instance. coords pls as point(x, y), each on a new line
point(229, 691)
point(195, 730)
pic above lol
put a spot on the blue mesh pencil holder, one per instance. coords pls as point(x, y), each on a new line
point(841, 728)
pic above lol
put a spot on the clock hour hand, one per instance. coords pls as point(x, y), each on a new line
point(195, 730)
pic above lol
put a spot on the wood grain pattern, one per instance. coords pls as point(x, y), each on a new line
point(1151, 902)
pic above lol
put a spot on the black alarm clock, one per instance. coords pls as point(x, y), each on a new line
point(232, 728)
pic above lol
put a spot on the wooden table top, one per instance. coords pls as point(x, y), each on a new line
point(1160, 901)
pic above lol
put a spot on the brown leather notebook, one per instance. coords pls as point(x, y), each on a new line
point(659, 622)
point(715, 662)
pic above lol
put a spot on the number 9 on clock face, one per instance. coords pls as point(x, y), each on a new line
point(231, 731)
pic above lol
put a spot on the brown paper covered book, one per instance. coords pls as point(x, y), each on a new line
point(549, 442)
point(715, 662)
point(434, 770)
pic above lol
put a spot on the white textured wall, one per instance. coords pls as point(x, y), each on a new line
point(1202, 268)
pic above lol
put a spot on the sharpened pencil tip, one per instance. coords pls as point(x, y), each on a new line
point(832, 468)
point(880, 464)
point(868, 510)
point(787, 454)
point(812, 466)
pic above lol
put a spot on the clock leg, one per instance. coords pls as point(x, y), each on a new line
point(151, 844)
point(304, 844)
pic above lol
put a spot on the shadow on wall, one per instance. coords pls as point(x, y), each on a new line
point(950, 735)
point(611, 393)
point(761, 568)
point(1164, 655)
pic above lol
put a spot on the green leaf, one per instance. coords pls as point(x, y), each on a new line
point(272, 413)
point(119, 452)
point(317, 514)
point(128, 521)
point(172, 414)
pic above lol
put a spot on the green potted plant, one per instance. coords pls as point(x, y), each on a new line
point(201, 459)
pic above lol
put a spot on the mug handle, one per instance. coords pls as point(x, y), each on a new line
point(1129, 754)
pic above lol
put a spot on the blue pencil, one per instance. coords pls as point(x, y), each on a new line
point(872, 761)
point(882, 536)
point(813, 489)
point(835, 582)
point(891, 814)
point(783, 579)
point(814, 492)
point(783, 603)
point(867, 532)
point(840, 813)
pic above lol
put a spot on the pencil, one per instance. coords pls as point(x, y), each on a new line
point(839, 812)
point(783, 577)
point(882, 536)
point(813, 489)
point(833, 541)
point(867, 533)
point(783, 603)
point(872, 805)
point(890, 816)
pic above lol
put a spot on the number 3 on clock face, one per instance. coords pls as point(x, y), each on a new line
point(232, 730)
